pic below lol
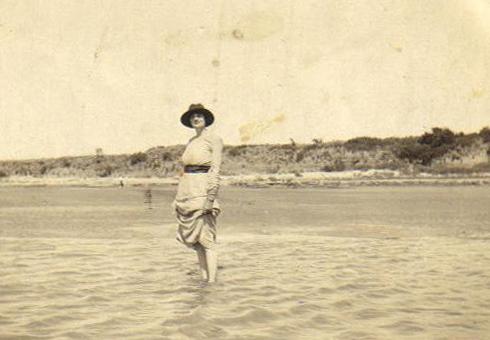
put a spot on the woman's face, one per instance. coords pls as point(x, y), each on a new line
point(198, 121)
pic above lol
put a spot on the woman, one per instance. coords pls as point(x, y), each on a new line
point(195, 204)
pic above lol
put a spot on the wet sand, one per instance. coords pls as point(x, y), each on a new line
point(311, 180)
point(364, 263)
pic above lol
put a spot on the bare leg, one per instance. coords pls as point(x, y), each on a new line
point(201, 256)
point(212, 264)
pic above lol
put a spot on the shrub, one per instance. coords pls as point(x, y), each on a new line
point(465, 141)
point(104, 170)
point(3, 174)
point(415, 153)
point(438, 137)
point(300, 155)
point(485, 134)
point(235, 152)
point(23, 171)
point(166, 156)
point(327, 168)
point(272, 169)
point(66, 163)
point(155, 164)
point(426, 148)
point(364, 144)
point(291, 146)
point(338, 165)
point(138, 157)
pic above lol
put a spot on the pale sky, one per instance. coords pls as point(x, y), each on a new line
point(78, 75)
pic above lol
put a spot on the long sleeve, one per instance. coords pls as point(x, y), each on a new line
point(214, 172)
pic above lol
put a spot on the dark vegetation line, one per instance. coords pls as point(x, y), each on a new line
point(440, 151)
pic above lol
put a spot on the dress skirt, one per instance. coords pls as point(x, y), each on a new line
point(194, 227)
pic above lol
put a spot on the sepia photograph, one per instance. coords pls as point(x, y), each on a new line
point(245, 170)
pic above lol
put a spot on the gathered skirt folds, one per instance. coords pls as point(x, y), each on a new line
point(194, 227)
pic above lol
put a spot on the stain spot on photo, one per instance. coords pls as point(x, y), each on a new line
point(253, 129)
point(237, 34)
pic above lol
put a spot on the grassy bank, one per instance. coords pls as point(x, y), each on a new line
point(439, 152)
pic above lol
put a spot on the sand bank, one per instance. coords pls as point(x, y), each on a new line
point(307, 179)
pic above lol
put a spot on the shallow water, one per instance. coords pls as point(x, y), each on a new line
point(364, 263)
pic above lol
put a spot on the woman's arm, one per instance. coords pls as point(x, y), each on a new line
point(214, 171)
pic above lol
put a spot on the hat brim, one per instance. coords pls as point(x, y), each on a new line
point(186, 117)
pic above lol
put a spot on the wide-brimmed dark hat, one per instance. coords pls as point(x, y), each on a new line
point(197, 108)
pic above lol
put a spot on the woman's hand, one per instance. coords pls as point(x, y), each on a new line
point(208, 207)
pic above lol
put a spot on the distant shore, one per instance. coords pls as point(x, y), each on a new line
point(308, 179)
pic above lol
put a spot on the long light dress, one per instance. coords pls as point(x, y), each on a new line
point(195, 188)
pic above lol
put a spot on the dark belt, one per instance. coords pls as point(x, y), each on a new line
point(196, 168)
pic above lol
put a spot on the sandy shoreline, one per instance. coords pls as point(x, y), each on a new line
point(309, 179)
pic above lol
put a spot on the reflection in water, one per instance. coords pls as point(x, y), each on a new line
point(202, 292)
point(148, 198)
